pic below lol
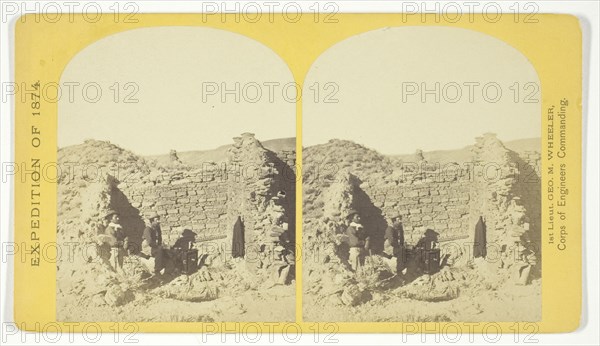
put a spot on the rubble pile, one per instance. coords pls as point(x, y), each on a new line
point(85, 192)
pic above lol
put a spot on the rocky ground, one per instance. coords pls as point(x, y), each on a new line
point(228, 293)
point(466, 294)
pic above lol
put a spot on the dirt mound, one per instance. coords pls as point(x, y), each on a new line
point(326, 267)
point(322, 162)
point(89, 163)
point(93, 157)
point(87, 190)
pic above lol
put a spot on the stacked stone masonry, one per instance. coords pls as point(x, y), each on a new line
point(209, 199)
point(501, 185)
point(440, 205)
point(193, 199)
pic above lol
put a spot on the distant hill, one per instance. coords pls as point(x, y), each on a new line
point(280, 144)
point(464, 154)
point(197, 157)
point(527, 144)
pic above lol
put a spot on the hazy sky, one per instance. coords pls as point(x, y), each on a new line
point(375, 77)
point(172, 68)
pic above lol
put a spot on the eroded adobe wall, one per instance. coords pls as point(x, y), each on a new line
point(426, 199)
point(499, 184)
point(195, 198)
point(209, 199)
point(528, 188)
point(506, 191)
point(261, 195)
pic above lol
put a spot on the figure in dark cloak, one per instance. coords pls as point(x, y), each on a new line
point(238, 242)
point(479, 246)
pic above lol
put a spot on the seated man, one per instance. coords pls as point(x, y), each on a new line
point(186, 241)
point(429, 241)
point(428, 252)
point(184, 254)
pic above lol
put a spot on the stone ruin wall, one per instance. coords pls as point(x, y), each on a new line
point(450, 198)
point(288, 174)
point(287, 182)
point(197, 199)
point(510, 196)
point(210, 198)
point(529, 190)
point(287, 156)
point(256, 192)
point(426, 200)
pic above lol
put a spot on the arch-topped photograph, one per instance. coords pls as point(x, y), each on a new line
point(422, 181)
point(180, 197)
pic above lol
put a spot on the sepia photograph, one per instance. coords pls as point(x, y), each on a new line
point(421, 181)
point(176, 201)
point(296, 173)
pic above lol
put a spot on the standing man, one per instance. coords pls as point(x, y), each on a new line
point(358, 240)
point(394, 241)
point(152, 242)
point(117, 240)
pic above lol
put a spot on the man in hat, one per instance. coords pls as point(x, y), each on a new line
point(394, 241)
point(428, 251)
point(187, 240)
point(429, 241)
point(284, 265)
point(358, 240)
point(526, 257)
point(152, 241)
point(116, 238)
point(183, 252)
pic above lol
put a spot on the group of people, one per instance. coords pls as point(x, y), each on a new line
point(425, 257)
point(360, 243)
point(114, 245)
